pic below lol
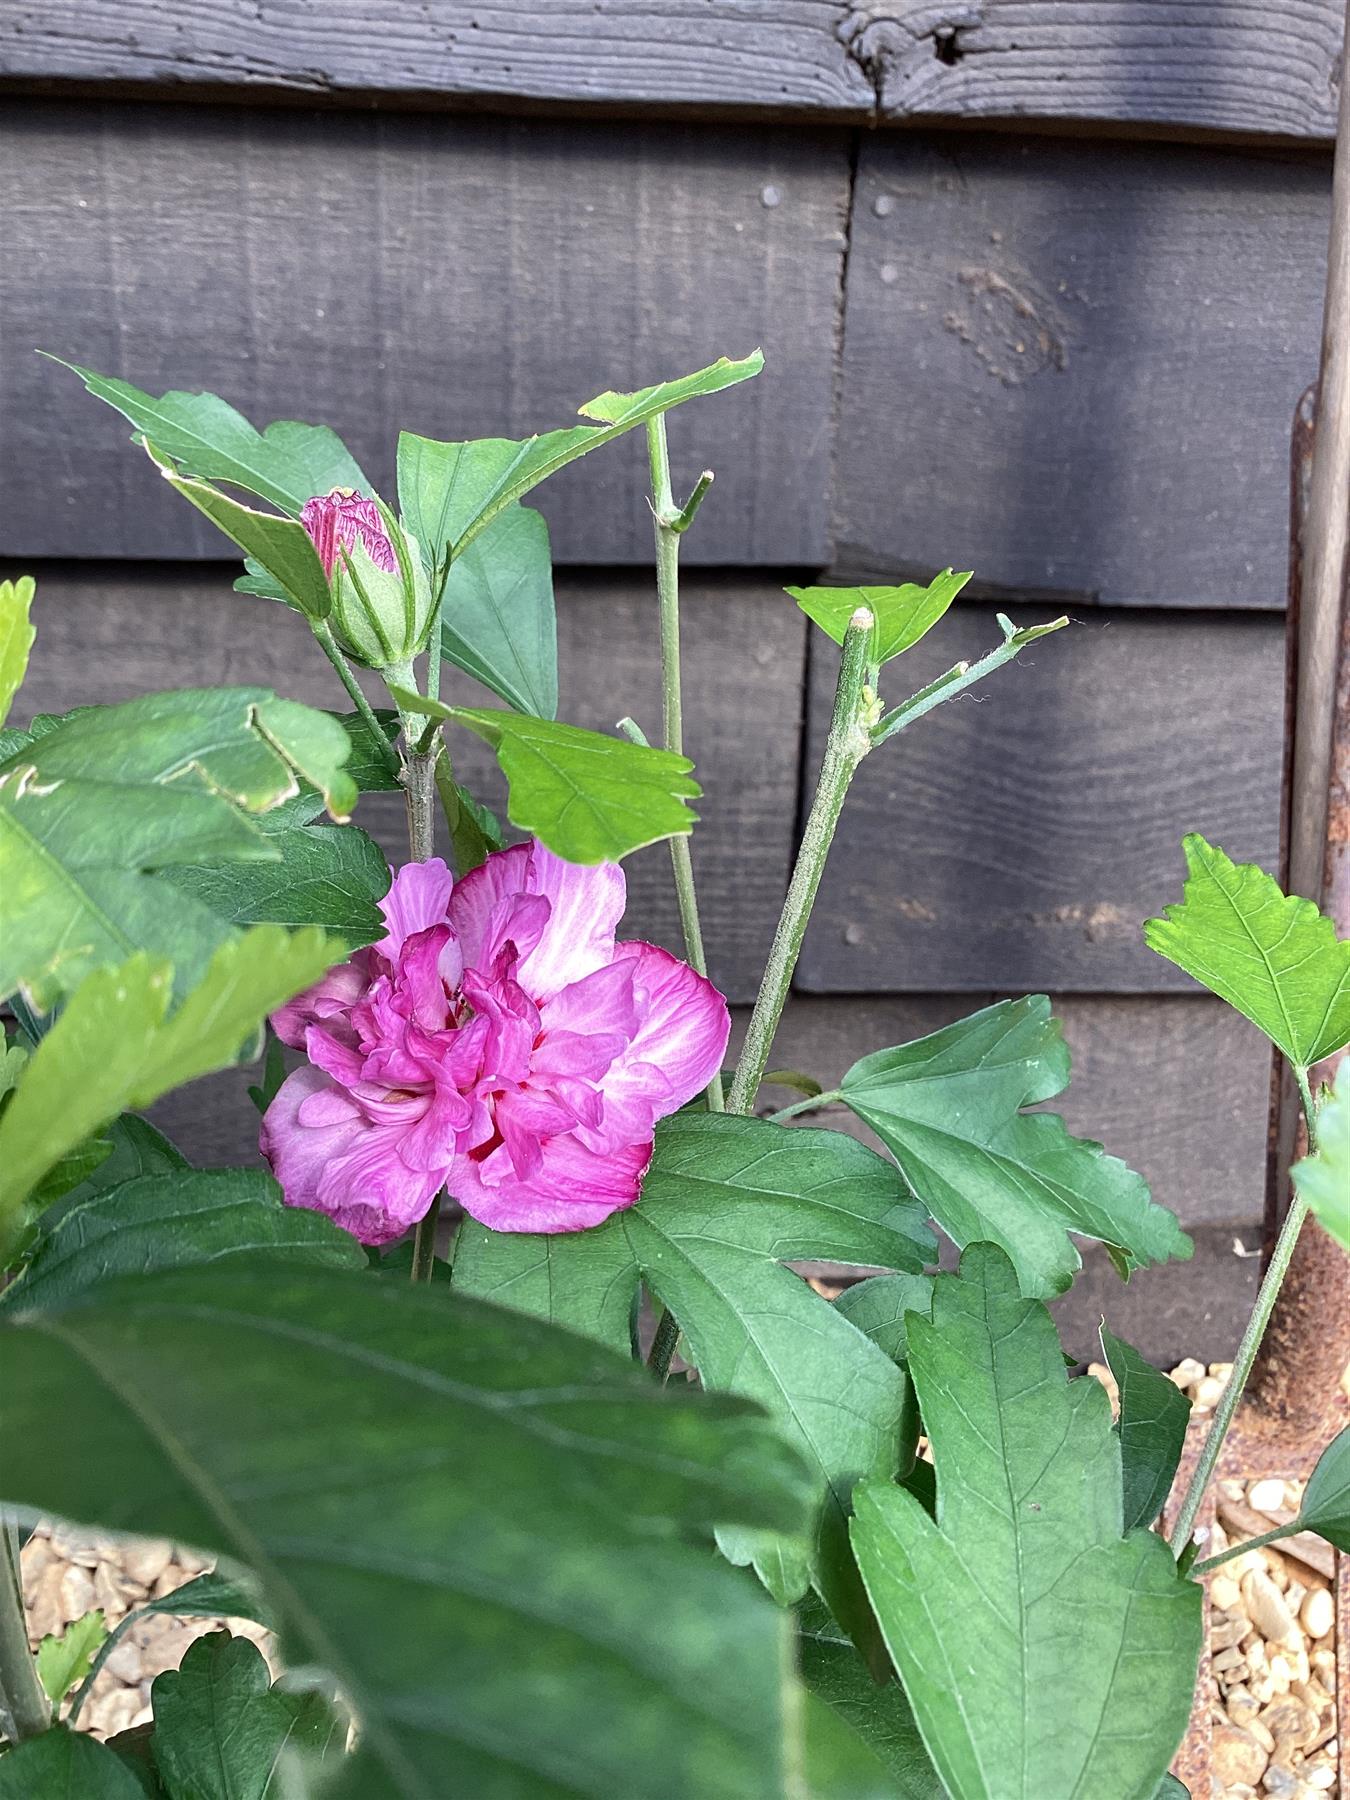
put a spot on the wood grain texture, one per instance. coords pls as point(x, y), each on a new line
point(1215, 65)
point(455, 277)
point(1174, 1084)
point(107, 632)
point(1019, 835)
point(1074, 367)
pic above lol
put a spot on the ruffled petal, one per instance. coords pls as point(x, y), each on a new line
point(679, 1044)
point(327, 1003)
point(477, 898)
point(585, 906)
point(572, 1189)
point(419, 896)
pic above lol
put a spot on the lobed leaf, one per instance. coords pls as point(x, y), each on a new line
point(16, 637)
point(1272, 956)
point(1154, 1414)
point(333, 876)
point(64, 1659)
point(877, 1715)
point(903, 614)
point(68, 1764)
point(1323, 1178)
point(948, 1108)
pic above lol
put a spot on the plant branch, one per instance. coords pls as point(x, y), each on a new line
point(323, 631)
point(812, 1103)
point(24, 1708)
point(1266, 1296)
point(849, 741)
point(1266, 1537)
point(961, 677)
point(424, 1242)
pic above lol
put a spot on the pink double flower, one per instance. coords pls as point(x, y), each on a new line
point(496, 1041)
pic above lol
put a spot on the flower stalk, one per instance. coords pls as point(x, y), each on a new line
point(24, 1708)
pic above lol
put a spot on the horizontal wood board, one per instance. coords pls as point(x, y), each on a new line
point(1073, 367)
point(1213, 65)
point(1018, 836)
point(107, 633)
point(459, 277)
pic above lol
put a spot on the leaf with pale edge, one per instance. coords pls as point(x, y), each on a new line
point(1042, 1651)
point(948, 1107)
point(101, 800)
point(1271, 955)
point(222, 1729)
point(477, 1524)
point(117, 1045)
point(726, 1201)
point(497, 621)
point(589, 797)
point(1154, 1414)
point(65, 1659)
point(878, 1715)
point(903, 614)
point(16, 637)
point(66, 1765)
point(1323, 1179)
point(450, 493)
point(1326, 1499)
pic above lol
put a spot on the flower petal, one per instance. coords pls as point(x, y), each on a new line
point(327, 1003)
point(476, 898)
point(680, 1041)
point(573, 1189)
point(585, 906)
point(419, 896)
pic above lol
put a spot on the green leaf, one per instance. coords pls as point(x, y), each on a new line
point(474, 829)
point(16, 637)
point(222, 1729)
point(1154, 1414)
point(1326, 1499)
point(172, 1221)
point(877, 1715)
point(589, 797)
point(948, 1109)
point(1323, 1179)
point(477, 1524)
point(65, 1765)
point(329, 875)
point(367, 767)
point(450, 493)
point(64, 1660)
point(116, 1045)
point(1043, 1653)
point(1270, 955)
point(97, 803)
point(287, 463)
point(281, 547)
point(498, 623)
point(726, 1201)
point(1169, 1788)
point(877, 1308)
point(135, 1148)
point(903, 614)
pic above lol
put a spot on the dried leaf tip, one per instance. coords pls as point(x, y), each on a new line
point(863, 619)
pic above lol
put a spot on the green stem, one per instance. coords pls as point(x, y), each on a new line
point(1266, 1537)
point(848, 742)
point(424, 1243)
point(812, 1103)
point(1266, 1296)
point(24, 1709)
point(323, 631)
point(663, 1344)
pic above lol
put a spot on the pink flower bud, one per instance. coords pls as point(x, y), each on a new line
point(346, 517)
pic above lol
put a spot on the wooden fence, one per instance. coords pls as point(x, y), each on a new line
point(1038, 284)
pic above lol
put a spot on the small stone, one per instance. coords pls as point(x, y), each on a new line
point(35, 1556)
point(1321, 1779)
point(1242, 1708)
point(1228, 1659)
point(46, 1610)
point(1292, 1726)
point(83, 1548)
point(190, 1561)
point(1318, 1613)
point(1235, 1756)
point(1224, 1593)
point(1188, 1372)
point(1281, 1675)
point(1227, 1632)
point(1263, 1736)
point(146, 1560)
point(1206, 1394)
point(1281, 1782)
point(1266, 1496)
point(1266, 1607)
point(77, 1592)
point(111, 1712)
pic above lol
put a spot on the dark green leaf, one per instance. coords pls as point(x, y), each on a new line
point(172, 1221)
point(1271, 955)
point(948, 1109)
point(1323, 1179)
point(1169, 1788)
point(222, 1730)
point(1042, 1651)
point(287, 463)
point(450, 493)
point(63, 1660)
point(903, 614)
point(479, 1525)
point(727, 1200)
point(136, 1147)
point(65, 1765)
point(1154, 1414)
point(265, 1090)
point(16, 637)
point(497, 623)
point(877, 1714)
point(877, 1308)
point(1326, 1499)
point(474, 829)
point(329, 875)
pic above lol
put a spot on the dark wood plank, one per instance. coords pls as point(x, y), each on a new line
point(1175, 1085)
point(1019, 836)
point(106, 633)
point(1074, 367)
point(456, 277)
point(1198, 64)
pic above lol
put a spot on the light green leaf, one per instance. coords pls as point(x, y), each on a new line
point(1323, 1179)
point(1270, 955)
point(16, 637)
point(449, 493)
point(65, 1765)
point(903, 614)
point(116, 1045)
point(1326, 1499)
point(329, 875)
point(1042, 1651)
point(1154, 1414)
point(877, 1308)
point(287, 463)
point(99, 801)
point(726, 1201)
point(222, 1729)
point(589, 797)
point(502, 1582)
point(497, 622)
point(282, 547)
point(948, 1109)
point(877, 1715)
point(64, 1660)
point(169, 1221)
